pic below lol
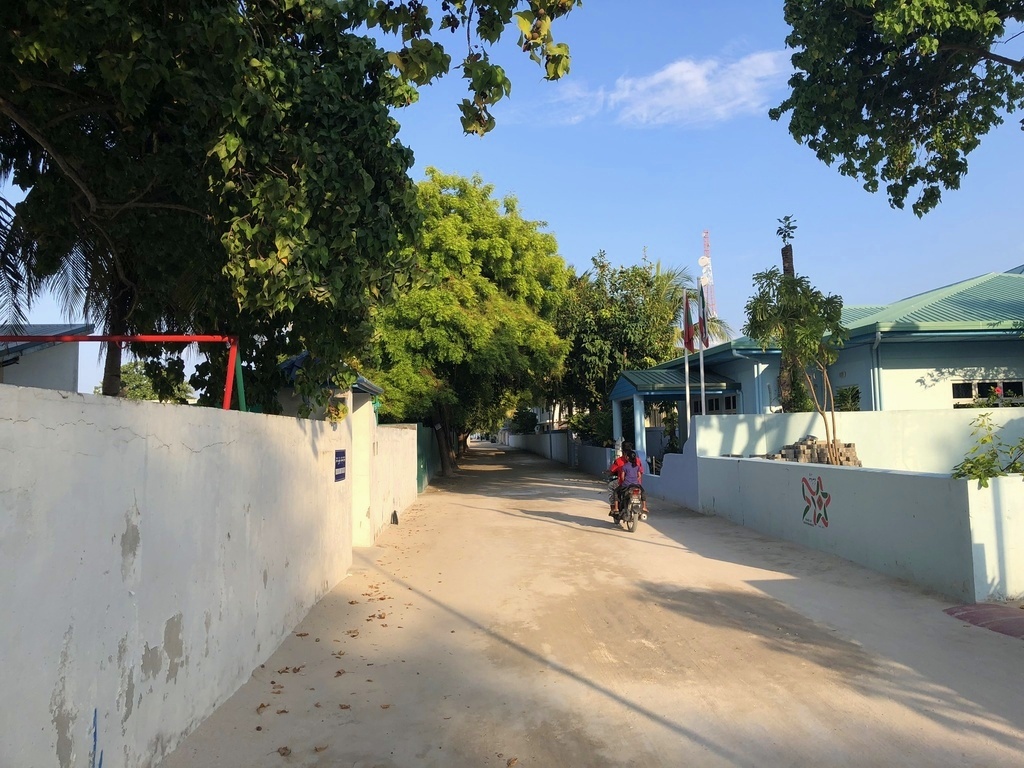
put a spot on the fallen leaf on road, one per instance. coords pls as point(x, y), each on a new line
point(302, 634)
point(298, 668)
point(282, 711)
point(512, 761)
point(385, 706)
point(352, 633)
point(320, 749)
point(317, 705)
point(344, 706)
point(353, 602)
point(284, 751)
point(339, 673)
point(283, 671)
point(260, 708)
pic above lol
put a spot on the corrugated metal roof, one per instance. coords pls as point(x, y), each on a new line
point(853, 315)
point(9, 349)
point(989, 302)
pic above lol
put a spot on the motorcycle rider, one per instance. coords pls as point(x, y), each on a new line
point(630, 471)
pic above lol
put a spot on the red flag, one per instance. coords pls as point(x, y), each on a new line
point(702, 319)
point(688, 340)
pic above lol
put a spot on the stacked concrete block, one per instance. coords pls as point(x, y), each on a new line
point(810, 450)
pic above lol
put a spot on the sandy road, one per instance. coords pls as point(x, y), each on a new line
point(505, 621)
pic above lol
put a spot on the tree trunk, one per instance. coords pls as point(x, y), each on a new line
point(787, 260)
point(786, 383)
point(117, 324)
point(443, 446)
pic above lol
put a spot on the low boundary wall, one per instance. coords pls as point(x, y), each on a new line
point(942, 534)
point(153, 555)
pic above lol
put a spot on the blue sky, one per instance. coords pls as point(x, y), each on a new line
point(661, 131)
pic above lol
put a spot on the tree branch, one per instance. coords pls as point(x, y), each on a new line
point(982, 53)
point(8, 109)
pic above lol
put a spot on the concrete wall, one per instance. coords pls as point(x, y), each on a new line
point(916, 441)
point(911, 526)
point(393, 485)
point(997, 536)
point(945, 535)
point(153, 556)
point(362, 421)
point(920, 376)
point(551, 445)
point(595, 460)
point(53, 367)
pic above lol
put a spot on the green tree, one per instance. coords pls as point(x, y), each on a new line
point(138, 382)
point(806, 325)
point(616, 319)
point(228, 167)
point(900, 92)
point(473, 336)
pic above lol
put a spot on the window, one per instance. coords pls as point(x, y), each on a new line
point(714, 405)
point(987, 388)
point(967, 393)
point(963, 390)
point(695, 408)
point(730, 403)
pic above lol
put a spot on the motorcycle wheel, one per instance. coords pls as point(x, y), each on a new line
point(631, 519)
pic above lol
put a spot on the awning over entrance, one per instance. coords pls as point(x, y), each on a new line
point(669, 384)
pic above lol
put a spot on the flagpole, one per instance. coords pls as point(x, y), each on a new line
point(703, 394)
point(687, 349)
point(702, 335)
point(686, 369)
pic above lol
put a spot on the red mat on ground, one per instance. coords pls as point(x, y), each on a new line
point(1005, 619)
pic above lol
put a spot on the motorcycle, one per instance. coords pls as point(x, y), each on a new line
point(630, 505)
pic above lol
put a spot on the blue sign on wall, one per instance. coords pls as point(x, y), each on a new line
point(339, 466)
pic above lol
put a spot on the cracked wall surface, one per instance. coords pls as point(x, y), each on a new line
point(158, 554)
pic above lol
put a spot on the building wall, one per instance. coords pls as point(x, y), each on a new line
point(920, 376)
point(758, 379)
point(853, 369)
point(153, 556)
point(54, 367)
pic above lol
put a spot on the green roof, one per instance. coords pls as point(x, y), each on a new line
point(656, 379)
point(992, 302)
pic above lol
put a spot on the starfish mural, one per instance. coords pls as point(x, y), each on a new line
point(816, 502)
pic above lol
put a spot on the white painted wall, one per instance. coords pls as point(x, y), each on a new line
point(153, 556)
point(911, 526)
point(53, 367)
point(393, 485)
point(997, 536)
point(945, 535)
point(916, 441)
point(550, 445)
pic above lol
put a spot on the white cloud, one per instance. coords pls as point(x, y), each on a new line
point(686, 92)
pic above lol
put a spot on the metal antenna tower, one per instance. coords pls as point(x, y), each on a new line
point(707, 279)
